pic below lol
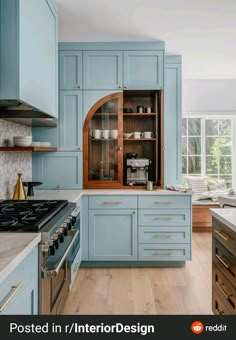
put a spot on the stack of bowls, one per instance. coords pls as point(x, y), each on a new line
point(22, 140)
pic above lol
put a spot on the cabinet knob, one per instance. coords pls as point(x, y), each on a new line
point(77, 86)
point(125, 86)
point(58, 187)
point(119, 86)
point(119, 148)
point(134, 212)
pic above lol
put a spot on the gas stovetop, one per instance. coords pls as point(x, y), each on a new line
point(29, 215)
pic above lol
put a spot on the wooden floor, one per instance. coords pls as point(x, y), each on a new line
point(184, 290)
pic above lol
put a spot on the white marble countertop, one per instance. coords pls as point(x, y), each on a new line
point(226, 216)
point(14, 247)
point(74, 195)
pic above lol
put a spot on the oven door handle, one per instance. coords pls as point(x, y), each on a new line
point(51, 273)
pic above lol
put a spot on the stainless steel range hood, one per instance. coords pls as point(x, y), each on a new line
point(13, 108)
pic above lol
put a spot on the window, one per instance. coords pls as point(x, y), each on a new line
point(207, 148)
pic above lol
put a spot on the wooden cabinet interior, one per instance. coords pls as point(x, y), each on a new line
point(105, 145)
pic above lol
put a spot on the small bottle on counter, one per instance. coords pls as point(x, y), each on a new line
point(101, 171)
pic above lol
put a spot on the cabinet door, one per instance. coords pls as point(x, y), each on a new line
point(70, 70)
point(112, 235)
point(71, 126)
point(143, 70)
point(102, 70)
point(172, 123)
point(59, 169)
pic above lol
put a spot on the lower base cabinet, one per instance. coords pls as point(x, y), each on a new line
point(138, 230)
point(113, 235)
point(19, 291)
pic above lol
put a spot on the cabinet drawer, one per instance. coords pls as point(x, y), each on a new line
point(113, 202)
point(164, 235)
point(164, 201)
point(225, 235)
point(218, 306)
point(224, 289)
point(164, 252)
point(162, 217)
point(15, 287)
point(225, 261)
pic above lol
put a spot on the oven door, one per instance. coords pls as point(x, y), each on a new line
point(55, 277)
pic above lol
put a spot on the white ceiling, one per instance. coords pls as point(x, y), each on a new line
point(202, 31)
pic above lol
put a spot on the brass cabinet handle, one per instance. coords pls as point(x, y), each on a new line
point(164, 252)
point(14, 290)
point(119, 148)
point(163, 218)
point(112, 202)
point(163, 202)
point(164, 235)
point(222, 290)
point(222, 261)
point(224, 236)
point(220, 313)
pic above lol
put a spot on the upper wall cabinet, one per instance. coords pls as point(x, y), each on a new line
point(102, 70)
point(143, 70)
point(28, 54)
point(70, 63)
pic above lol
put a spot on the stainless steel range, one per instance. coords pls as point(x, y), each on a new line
point(59, 224)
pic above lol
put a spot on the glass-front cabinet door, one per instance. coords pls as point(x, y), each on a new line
point(103, 144)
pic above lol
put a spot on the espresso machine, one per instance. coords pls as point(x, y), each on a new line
point(136, 170)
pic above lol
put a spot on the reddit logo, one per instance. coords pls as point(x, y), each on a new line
point(197, 327)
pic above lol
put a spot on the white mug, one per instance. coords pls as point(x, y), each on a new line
point(114, 134)
point(96, 133)
point(148, 134)
point(105, 134)
point(138, 135)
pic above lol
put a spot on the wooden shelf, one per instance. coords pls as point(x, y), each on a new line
point(139, 139)
point(28, 148)
point(136, 114)
point(103, 139)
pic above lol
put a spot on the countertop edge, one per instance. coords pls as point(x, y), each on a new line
point(221, 218)
point(9, 268)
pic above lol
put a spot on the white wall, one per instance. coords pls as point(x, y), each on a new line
point(209, 96)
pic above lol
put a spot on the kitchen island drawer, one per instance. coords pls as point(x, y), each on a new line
point(164, 202)
point(164, 252)
point(164, 235)
point(224, 289)
point(162, 217)
point(218, 306)
point(113, 202)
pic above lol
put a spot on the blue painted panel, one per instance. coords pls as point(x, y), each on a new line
point(164, 252)
point(58, 169)
point(70, 70)
point(164, 201)
point(71, 126)
point(25, 301)
point(102, 70)
point(112, 235)
point(164, 235)
point(38, 55)
point(164, 217)
point(172, 122)
point(91, 97)
point(112, 202)
point(143, 69)
point(84, 228)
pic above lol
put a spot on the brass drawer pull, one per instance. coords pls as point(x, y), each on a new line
point(115, 203)
point(224, 236)
point(164, 218)
point(222, 261)
point(222, 291)
point(220, 313)
point(164, 202)
point(14, 290)
point(164, 252)
point(164, 235)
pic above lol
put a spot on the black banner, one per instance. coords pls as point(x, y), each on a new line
point(118, 327)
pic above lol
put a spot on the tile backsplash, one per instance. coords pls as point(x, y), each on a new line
point(13, 162)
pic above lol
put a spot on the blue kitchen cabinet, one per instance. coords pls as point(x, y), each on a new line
point(172, 120)
point(58, 170)
point(70, 70)
point(19, 291)
point(102, 70)
point(112, 235)
point(29, 54)
point(143, 70)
